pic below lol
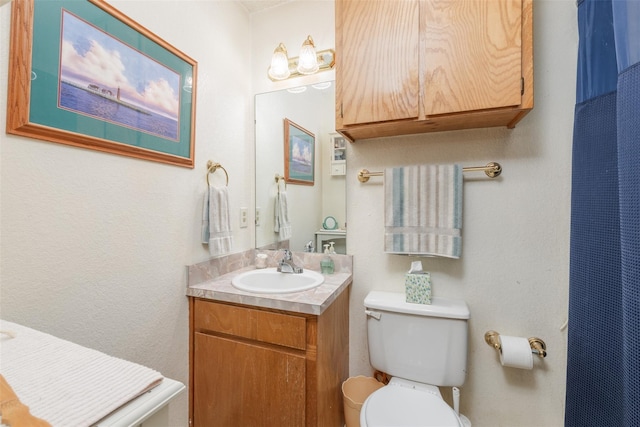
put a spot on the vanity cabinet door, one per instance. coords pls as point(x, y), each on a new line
point(240, 383)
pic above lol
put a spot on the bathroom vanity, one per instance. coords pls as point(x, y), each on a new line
point(268, 359)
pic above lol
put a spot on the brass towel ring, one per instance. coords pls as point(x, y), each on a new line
point(280, 178)
point(213, 167)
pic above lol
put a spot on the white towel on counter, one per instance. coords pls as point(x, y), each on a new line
point(423, 210)
point(67, 384)
point(216, 222)
point(282, 224)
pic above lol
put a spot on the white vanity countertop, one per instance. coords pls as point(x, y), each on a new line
point(313, 301)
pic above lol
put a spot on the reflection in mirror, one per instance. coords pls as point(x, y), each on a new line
point(308, 206)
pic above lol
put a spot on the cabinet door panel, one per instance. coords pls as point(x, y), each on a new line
point(378, 63)
point(471, 54)
point(240, 384)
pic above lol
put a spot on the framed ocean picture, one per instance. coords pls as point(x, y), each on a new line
point(299, 154)
point(82, 73)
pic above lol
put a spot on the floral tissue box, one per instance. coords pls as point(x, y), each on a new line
point(418, 288)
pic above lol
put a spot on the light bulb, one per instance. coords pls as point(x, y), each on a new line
point(308, 60)
point(279, 69)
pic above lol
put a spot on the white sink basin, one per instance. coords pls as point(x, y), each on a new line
point(271, 281)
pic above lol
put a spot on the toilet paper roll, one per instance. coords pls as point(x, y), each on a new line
point(516, 352)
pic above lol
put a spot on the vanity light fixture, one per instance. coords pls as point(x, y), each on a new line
point(309, 61)
point(279, 69)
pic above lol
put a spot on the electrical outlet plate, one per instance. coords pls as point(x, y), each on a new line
point(257, 216)
point(244, 217)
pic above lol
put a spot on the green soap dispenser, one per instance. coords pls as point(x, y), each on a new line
point(326, 264)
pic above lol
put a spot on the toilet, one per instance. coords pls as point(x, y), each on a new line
point(422, 347)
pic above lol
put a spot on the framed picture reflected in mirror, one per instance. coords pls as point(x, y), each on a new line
point(299, 154)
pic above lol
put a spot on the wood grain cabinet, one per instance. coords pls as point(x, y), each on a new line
point(415, 66)
point(259, 367)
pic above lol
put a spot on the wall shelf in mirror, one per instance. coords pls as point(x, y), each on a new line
point(338, 154)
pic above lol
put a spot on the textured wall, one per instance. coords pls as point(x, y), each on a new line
point(514, 267)
point(94, 246)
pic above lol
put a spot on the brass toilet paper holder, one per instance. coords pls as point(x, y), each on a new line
point(538, 346)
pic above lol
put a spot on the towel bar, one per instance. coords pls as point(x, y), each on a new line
point(212, 167)
point(492, 170)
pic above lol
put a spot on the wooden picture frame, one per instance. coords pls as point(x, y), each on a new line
point(142, 106)
point(299, 154)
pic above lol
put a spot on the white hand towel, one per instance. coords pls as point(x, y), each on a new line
point(216, 224)
point(423, 210)
point(282, 224)
point(205, 219)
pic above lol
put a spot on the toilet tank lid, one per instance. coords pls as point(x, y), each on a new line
point(396, 302)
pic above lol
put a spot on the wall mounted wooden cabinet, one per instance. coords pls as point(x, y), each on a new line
point(260, 367)
point(415, 66)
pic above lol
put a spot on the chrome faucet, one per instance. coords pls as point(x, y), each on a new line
point(286, 264)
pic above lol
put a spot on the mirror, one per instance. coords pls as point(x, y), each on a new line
point(309, 206)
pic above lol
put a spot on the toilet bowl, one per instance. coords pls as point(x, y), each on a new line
point(406, 404)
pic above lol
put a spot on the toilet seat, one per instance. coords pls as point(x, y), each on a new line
point(402, 406)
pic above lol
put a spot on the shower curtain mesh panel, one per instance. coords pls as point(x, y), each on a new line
point(603, 362)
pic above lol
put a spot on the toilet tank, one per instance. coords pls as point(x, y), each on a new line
point(418, 342)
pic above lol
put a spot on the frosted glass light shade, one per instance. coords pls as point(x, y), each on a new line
point(308, 60)
point(279, 69)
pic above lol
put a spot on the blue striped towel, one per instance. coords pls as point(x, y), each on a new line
point(423, 210)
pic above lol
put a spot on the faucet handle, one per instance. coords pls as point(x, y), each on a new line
point(287, 255)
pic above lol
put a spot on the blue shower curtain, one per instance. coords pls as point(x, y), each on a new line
point(603, 362)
